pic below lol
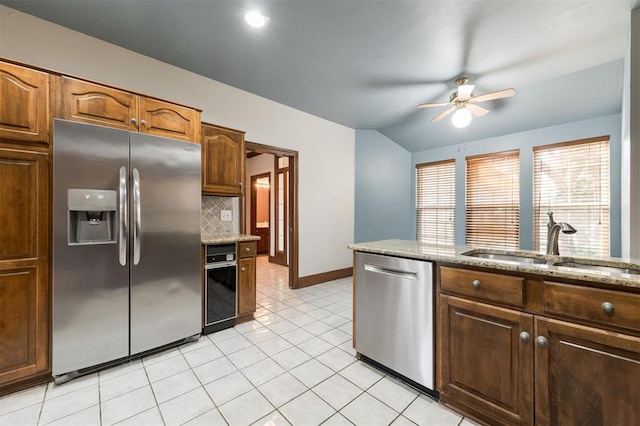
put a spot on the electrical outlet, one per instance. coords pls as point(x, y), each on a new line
point(226, 216)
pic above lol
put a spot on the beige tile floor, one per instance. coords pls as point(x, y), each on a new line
point(293, 364)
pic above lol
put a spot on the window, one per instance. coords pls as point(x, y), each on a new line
point(436, 202)
point(572, 180)
point(493, 200)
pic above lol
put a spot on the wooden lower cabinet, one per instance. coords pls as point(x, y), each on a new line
point(246, 286)
point(488, 370)
point(506, 366)
point(586, 376)
point(24, 279)
point(263, 242)
point(246, 280)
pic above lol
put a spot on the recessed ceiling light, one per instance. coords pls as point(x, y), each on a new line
point(255, 19)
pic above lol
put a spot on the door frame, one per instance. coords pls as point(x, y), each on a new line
point(254, 205)
point(280, 257)
point(292, 243)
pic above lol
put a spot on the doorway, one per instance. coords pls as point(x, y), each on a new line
point(279, 166)
point(260, 218)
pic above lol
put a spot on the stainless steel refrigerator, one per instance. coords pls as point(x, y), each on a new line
point(126, 249)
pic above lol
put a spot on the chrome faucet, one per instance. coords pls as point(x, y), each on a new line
point(553, 232)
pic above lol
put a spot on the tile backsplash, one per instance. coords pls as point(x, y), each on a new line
point(212, 206)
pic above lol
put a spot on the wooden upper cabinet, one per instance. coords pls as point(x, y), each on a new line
point(96, 104)
point(169, 120)
point(223, 160)
point(24, 104)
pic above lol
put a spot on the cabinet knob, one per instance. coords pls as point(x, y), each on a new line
point(143, 123)
point(247, 249)
point(475, 284)
point(541, 341)
point(608, 308)
point(134, 121)
point(243, 269)
point(524, 336)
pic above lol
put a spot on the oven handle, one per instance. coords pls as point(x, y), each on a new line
point(219, 265)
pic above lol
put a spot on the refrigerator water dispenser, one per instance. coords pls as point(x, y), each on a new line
point(91, 216)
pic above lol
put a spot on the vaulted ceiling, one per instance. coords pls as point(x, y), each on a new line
point(367, 64)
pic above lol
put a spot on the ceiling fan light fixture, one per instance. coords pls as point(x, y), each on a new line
point(461, 118)
point(255, 19)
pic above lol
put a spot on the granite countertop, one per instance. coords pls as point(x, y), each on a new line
point(453, 255)
point(227, 238)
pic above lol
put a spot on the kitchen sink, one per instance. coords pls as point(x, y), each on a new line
point(573, 263)
point(505, 256)
point(601, 268)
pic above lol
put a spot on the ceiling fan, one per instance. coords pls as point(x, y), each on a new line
point(464, 103)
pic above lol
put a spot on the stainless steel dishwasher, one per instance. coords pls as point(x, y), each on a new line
point(394, 316)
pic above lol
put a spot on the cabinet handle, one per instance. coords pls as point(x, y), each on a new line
point(243, 269)
point(541, 341)
point(608, 308)
point(247, 249)
point(524, 336)
point(134, 121)
point(475, 284)
point(143, 123)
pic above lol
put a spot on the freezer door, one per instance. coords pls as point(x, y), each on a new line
point(90, 285)
point(166, 300)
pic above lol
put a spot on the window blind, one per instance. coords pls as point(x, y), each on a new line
point(436, 202)
point(572, 180)
point(493, 200)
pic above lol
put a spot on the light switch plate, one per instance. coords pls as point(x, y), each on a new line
point(226, 216)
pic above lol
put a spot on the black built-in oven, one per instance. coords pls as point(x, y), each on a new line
point(220, 287)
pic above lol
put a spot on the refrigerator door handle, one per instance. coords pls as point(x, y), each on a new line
point(123, 211)
point(136, 216)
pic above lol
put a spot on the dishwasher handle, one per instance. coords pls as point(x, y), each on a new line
point(390, 271)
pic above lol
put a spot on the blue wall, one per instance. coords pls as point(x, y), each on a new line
point(385, 178)
point(383, 189)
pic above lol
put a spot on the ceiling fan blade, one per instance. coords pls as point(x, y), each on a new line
point(477, 110)
point(439, 104)
point(443, 114)
point(465, 91)
point(495, 95)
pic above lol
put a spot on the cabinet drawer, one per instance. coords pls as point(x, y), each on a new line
point(483, 285)
point(247, 249)
point(609, 307)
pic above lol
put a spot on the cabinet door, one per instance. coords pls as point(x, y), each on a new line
point(96, 104)
point(24, 287)
point(586, 376)
point(169, 120)
point(24, 104)
point(246, 285)
point(486, 360)
point(223, 158)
